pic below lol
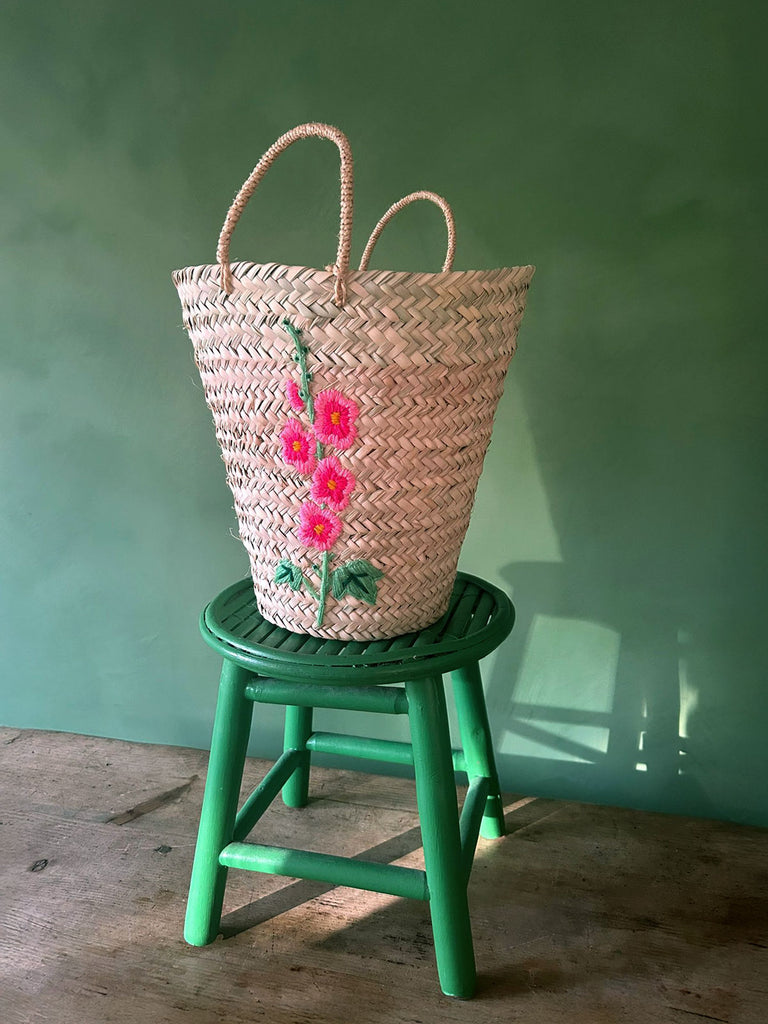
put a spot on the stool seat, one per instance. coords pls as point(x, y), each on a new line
point(266, 664)
point(479, 616)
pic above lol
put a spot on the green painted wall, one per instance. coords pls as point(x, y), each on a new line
point(620, 147)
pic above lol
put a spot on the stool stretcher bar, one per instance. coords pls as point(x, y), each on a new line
point(325, 867)
point(266, 791)
point(372, 749)
point(471, 819)
point(381, 699)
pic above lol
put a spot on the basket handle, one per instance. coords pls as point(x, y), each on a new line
point(433, 197)
point(303, 131)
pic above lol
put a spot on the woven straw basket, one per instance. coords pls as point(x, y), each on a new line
point(353, 409)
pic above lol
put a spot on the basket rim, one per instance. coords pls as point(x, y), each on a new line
point(206, 269)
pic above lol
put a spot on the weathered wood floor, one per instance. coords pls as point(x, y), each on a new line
point(582, 914)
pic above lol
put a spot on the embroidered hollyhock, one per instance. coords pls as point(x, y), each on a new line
point(295, 400)
point(318, 528)
point(335, 417)
point(298, 446)
point(332, 484)
point(332, 422)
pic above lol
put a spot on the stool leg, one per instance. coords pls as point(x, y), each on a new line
point(478, 746)
point(231, 728)
point(298, 729)
point(438, 813)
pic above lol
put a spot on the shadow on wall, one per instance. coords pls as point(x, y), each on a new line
point(636, 671)
point(599, 705)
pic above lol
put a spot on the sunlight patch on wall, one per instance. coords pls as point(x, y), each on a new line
point(511, 520)
point(563, 697)
point(689, 696)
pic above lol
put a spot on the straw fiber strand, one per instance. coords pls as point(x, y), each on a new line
point(424, 357)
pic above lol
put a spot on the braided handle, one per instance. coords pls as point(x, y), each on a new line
point(433, 197)
point(303, 131)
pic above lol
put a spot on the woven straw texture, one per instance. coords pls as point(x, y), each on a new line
point(423, 356)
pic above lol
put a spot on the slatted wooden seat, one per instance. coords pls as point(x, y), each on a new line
point(267, 664)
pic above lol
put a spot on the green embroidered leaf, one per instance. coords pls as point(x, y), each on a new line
point(356, 578)
point(283, 571)
point(339, 579)
point(363, 588)
point(360, 566)
point(287, 572)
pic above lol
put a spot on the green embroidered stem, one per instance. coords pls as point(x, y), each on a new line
point(306, 376)
point(324, 587)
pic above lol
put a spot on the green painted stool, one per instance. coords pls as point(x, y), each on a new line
point(270, 665)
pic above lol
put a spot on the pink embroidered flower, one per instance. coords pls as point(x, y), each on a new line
point(332, 484)
point(335, 418)
point(317, 527)
point(295, 400)
point(298, 446)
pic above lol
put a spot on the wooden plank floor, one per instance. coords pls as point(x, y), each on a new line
point(582, 914)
